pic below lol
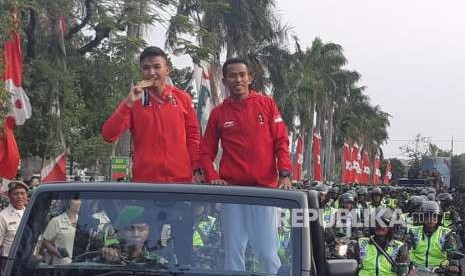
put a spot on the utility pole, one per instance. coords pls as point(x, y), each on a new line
point(452, 147)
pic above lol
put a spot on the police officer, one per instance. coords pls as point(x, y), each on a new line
point(376, 199)
point(391, 200)
point(11, 216)
point(59, 235)
point(411, 216)
point(333, 197)
point(362, 198)
point(380, 254)
point(430, 242)
point(347, 216)
point(450, 216)
point(328, 211)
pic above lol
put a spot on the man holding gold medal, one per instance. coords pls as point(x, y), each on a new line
point(163, 124)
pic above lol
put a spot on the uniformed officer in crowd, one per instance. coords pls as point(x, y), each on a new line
point(59, 235)
point(380, 253)
point(10, 217)
point(430, 242)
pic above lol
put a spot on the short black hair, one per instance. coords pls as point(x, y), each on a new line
point(234, 60)
point(152, 51)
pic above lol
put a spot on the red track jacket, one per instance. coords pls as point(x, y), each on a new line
point(254, 139)
point(166, 136)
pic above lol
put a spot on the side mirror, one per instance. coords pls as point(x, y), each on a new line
point(342, 267)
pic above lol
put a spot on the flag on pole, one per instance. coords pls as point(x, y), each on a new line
point(298, 160)
point(20, 107)
point(388, 175)
point(9, 153)
point(317, 157)
point(205, 101)
point(347, 164)
point(13, 76)
point(377, 171)
point(366, 171)
point(56, 170)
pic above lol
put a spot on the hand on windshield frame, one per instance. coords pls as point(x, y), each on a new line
point(285, 183)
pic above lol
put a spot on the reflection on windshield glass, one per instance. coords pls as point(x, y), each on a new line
point(161, 234)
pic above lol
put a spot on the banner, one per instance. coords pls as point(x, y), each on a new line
point(366, 170)
point(347, 164)
point(388, 174)
point(356, 166)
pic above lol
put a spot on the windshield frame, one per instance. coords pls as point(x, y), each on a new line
point(43, 197)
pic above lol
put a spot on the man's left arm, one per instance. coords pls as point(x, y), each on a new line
point(281, 146)
point(192, 134)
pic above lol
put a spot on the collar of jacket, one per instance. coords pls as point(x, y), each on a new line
point(252, 95)
point(167, 90)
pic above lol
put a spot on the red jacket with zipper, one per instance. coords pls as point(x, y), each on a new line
point(254, 139)
point(166, 136)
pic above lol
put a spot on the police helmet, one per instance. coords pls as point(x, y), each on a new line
point(321, 188)
point(444, 197)
point(431, 207)
point(377, 191)
point(362, 191)
point(347, 197)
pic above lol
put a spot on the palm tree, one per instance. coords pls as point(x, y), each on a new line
point(242, 28)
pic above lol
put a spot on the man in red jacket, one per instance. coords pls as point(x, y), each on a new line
point(255, 146)
point(163, 124)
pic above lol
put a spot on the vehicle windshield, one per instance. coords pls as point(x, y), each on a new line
point(151, 232)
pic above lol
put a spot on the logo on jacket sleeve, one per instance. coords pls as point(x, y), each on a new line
point(229, 124)
point(278, 119)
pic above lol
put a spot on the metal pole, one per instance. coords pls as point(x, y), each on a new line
point(452, 147)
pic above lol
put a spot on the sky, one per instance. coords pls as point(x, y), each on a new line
point(411, 55)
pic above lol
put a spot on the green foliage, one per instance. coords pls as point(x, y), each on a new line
point(457, 178)
point(417, 149)
point(183, 78)
point(397, 169)
point(86, 85)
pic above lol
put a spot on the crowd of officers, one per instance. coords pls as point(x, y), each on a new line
point(414, 229)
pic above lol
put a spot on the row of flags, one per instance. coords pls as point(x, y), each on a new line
point(19, 111)
point(297, 162)
point(356, 165)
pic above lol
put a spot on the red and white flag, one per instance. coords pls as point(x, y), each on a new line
point(317, 176)
point(366, 170)
point(377, 171)
point(298, 160)
point(9, 153)
point(388, 175)
point(55, 171)
point(20, 107)
point(356, 166)
point(347, 164)
point(13, 76)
